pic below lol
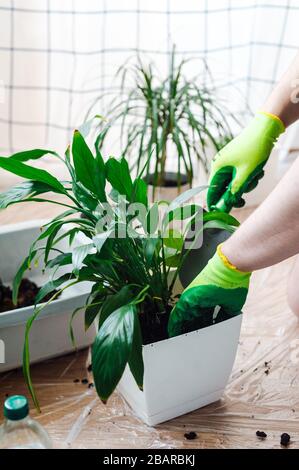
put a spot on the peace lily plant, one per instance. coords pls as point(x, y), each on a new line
point(130, 252)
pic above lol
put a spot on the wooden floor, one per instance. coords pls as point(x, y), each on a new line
point(262, 394)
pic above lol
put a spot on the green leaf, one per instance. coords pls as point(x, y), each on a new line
point(88, 171)
point(61, 260)
point(152, 219)
point(174, 240)
point(84, 197)
point(118, 175)
point(100, 239)
point(100, 176)
point(150, 247)
point(28, 172)
point(180, 213)
point(79, 254)
point(139, 193)
point(91, 312)
point(185, 196)
point(173, 261)
point(21, 191)
point(135, 360)
point(50, 286)
point(112, 349)
point(26, 349)
point(31, 154)
point(115, 301)
point(222, 216)
point(19, 275)
point(220, 225)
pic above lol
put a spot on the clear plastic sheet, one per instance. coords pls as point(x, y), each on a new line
point(262, 394)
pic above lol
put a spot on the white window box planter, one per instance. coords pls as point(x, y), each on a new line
point(183, 373)
point(49, 334)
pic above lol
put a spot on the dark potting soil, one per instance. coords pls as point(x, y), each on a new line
point(27, 292)
point(190, 436)
point(285, 439)
point(261, 434)
point(154, 326)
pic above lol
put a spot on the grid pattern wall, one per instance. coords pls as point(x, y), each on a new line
point(57, 56)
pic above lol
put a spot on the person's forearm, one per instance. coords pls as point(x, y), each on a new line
point(281, 102)
point(271, 233)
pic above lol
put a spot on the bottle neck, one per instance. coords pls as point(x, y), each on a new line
point(18, 422)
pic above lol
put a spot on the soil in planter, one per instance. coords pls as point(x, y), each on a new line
point(27, 292)
point(154, 326)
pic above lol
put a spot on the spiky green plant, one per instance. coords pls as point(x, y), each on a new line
point(172, 117)
point(130, 274)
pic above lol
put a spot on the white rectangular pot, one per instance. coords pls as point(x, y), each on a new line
point(49, 335)
point(183, 373)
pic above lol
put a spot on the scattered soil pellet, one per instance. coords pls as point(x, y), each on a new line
point(190, 435)
point(84, 381)
point(261, 434)
point(91, 385)
point(285, 439)
point(267, 371)
point(89, 368)
point(76, 381)
point(266, 363)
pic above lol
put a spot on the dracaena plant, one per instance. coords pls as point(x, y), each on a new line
point(167, 117)
point(127, 254)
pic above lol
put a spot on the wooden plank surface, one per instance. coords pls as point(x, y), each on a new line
point(254, 398)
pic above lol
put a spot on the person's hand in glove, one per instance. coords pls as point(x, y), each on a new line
point(220, 283)
point(237, 168)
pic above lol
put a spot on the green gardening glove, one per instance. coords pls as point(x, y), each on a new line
point(220, 283)
point(237, 168)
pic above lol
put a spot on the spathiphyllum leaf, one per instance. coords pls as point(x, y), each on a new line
point(112, 349)
point(89, 171)
point(79, 254)
point(22, 191)
point(51, 286)
point(139, 193)
point(91, 312)
point(118, 175)
point(19, 275)
point(100, 239)
point(34, 154)
point(60, 260)
point(25, 171)
point(173, 239)
point(221, 216)
point(115, 301)
point(185, 196)
point(136, 360)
